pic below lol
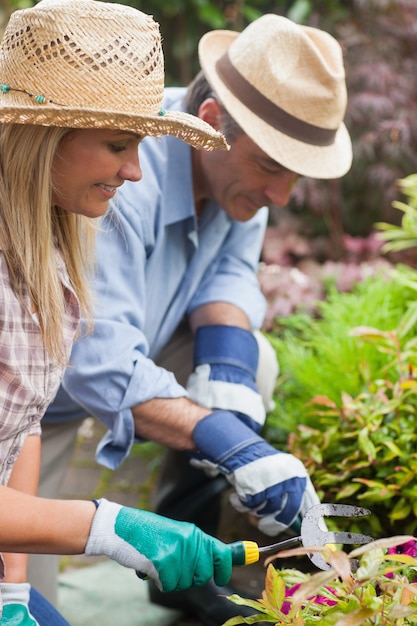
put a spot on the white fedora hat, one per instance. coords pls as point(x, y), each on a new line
point(90, 64)
point(284, 84)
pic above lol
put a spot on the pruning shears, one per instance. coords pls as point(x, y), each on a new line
point(312, 534)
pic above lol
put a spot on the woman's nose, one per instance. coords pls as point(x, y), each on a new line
point(131, 170)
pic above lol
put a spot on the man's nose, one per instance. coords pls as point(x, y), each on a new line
point(279, 188)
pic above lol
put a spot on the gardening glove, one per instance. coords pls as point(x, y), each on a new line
point(225, 366)
point(271, 485)
point(176, 555)
point(15, 597)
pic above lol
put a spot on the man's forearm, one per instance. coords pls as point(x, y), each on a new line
point(219, 313)
point(171, 421)
point(168, 421)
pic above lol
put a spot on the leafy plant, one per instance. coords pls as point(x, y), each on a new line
point(404, 236)
point(346, 403)
point(381, 591)
point(318, 356)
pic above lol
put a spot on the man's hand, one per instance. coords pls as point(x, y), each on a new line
point(15, 597)
point(225, 365)
point(272, 485)
point(176, 555)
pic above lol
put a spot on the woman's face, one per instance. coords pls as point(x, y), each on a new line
point(90, 165)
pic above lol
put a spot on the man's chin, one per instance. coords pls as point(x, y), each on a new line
point(247, 214)
point(242, 212)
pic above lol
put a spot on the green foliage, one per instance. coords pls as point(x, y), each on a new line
point(320, 357)
point(381, 592)
point(348, 398)
point(405, 236)
point(183, 22)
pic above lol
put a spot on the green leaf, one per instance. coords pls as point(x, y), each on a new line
point(347, 491)
point(253, 604)
point(299, 11)
point(357, 617)
point(366, 444)
point(406, 559)
point(401, 510)
point(408, 321)
point(274, 587)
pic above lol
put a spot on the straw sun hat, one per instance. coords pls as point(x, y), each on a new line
point(90, 64)
point(284, 84)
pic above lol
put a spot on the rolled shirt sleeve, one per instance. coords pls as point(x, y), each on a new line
point(112, 376)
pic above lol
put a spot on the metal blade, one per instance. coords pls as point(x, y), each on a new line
point(314, 532)
point(281, 545)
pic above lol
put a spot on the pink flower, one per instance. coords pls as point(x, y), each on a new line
point(287, 605)
point(409, 548)
point(324, 600)
point(319, 599)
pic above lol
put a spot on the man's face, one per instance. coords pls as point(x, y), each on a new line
point(244, 179)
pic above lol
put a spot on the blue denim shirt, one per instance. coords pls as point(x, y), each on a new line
point(155, 265)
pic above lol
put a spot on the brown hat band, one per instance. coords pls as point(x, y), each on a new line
point(268, 111)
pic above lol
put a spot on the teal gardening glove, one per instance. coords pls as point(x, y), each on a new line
point(15, 597)
point(176, 555)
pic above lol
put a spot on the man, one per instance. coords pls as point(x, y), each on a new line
point(175, 356)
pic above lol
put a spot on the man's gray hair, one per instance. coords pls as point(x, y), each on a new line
point(198, 91)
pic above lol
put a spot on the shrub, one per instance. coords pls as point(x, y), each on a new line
point(346, 403)
point(382, 591)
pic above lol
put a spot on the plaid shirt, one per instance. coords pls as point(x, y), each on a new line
point(28, 378)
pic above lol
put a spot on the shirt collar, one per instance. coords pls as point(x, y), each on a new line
point(179, 183)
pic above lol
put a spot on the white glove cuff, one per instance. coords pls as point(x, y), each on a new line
point(102, 527)
point(227, 396)
point(15, 593)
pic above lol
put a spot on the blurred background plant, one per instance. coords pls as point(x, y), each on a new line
point(403, 237)
point(346, 400)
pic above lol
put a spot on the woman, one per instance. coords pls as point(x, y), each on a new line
point(81, 83)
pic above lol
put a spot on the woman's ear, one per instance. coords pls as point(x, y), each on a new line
point(210, 111)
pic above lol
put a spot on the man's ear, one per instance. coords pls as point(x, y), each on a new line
point(210, 111)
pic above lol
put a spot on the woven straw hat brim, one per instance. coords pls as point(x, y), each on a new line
point(90, 64)
point(187, 127)
point(323, 162)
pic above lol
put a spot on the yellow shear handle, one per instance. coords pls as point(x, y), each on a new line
point(244, 552)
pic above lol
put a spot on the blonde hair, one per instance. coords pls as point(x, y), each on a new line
point(31, 230)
